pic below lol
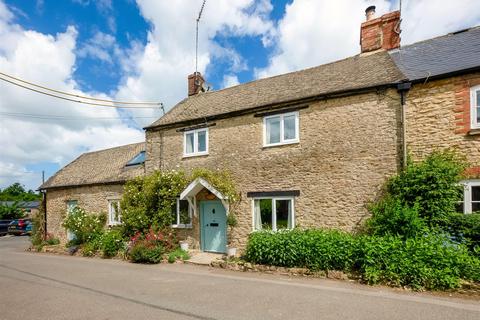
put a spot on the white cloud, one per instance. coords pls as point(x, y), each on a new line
point(230, 80)
point(314, 32)
point(48, 60)
point(160, 71)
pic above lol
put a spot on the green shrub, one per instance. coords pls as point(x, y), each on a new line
point(85, 226)
point(111, 242)
point(392, 217)
point(38, 227)
point(430, 261)
point(147, 201)
point(314, 249)
point(178, 254)
point(50, 240)
point(145, 252)
point(432, 185)
point(91, 247)
point(465, 228)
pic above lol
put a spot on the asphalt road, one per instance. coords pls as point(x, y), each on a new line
point(42, 286)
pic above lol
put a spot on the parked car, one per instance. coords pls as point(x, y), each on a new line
point(4, 226)
point(19, 226)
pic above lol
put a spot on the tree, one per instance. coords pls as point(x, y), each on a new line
point(17, 192)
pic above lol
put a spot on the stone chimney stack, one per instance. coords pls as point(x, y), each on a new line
point(195, 83)
point(380, 33)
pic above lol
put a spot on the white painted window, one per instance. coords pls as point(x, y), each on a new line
point(280, 129)
point(475, 107)
point(471, 197)
point(71, 204)
point(182, 214)
point(195, 142)
point(114, 213)
point(273, 213)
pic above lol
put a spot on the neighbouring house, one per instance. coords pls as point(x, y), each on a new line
point(29, 208)
point(93, 181)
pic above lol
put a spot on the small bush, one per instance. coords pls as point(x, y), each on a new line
point(392, 217)
point(111, 243)
point(432, 185)
point(85, 226)
point(146, 252)
point(50, 240)
point(91, 247)
point(178, 254)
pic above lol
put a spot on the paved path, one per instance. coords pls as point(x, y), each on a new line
point(41, 286)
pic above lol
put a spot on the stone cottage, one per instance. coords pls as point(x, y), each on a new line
point(313, 147)
point(93, 181)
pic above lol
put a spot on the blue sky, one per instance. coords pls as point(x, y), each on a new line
point(143, 50)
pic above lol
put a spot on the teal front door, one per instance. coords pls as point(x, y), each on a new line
point(214, 226)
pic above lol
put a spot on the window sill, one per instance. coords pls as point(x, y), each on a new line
point(265, 146)
point(195, 155)
point(474, 132)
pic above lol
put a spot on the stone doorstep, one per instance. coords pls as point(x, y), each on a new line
point(203, 258)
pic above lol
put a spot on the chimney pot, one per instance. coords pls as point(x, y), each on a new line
point(195, 83)
point(370, 13)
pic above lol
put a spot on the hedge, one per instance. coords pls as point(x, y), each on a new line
point(427, 262)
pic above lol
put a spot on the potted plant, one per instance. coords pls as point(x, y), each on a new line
point(231, 223)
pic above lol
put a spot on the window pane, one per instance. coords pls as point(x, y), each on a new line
point(478, 114)
point(115, 212)
point(184, 213)
point(202, 141)
point(174, 214)
point(459, 207)
point(71, 204)
point(273, 130)
point(475, 206)
point(189, 143)
point(475, 193)
point(284, 214)
point(289, 124)
point(478, 98)
point(266, 213)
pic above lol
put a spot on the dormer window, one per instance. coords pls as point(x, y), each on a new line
point(475, 107)
point(280, 129)
point(195, 142)
point(137, 160)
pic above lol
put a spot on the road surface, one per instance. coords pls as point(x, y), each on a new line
point(44, 286)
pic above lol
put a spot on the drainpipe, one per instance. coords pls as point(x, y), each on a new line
point(402, 89)
point(44, 204)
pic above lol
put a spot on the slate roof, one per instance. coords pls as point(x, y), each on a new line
point(98, 167)
point(357, 72)
point(447, 54)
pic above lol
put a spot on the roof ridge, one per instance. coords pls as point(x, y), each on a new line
point(453, 33)
point(111, 148)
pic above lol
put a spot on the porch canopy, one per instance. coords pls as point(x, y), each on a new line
point(195, 187)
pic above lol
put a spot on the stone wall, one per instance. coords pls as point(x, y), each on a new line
point(438, 117)
point(90, 198)
point(348, 147)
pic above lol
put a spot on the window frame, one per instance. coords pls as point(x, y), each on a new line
point(274, 211)
point(195, 152)
point(282, 141)
point(473, 107)
point(467, 194)
point(179, 225)
point(111, 220)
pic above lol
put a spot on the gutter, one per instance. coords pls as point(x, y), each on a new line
point(273, 106)
point(402, 89)
point(65, 186)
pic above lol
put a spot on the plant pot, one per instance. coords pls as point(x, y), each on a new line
point(184, 245)
point(231, 252)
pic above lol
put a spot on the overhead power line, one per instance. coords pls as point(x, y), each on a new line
point(105, 103)
point(57, 117)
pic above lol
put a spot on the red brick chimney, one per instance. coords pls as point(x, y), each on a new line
point(380, 33)
point(195, 83)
